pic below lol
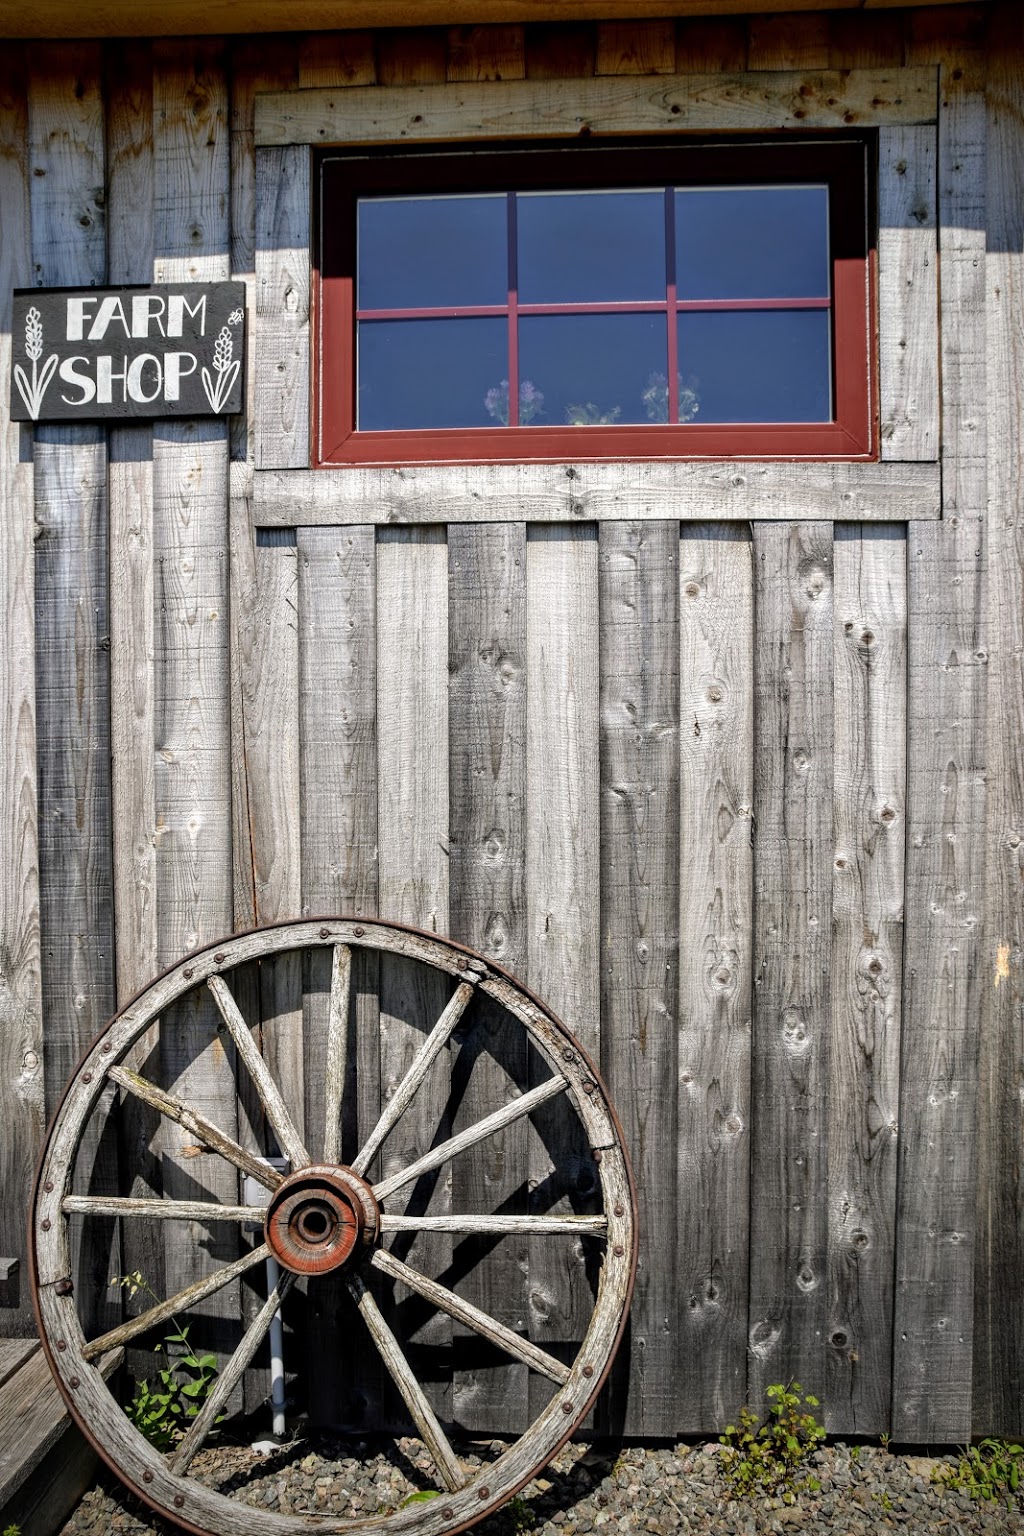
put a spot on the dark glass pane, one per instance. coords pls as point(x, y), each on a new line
point(584, 247)
point(431, 373)
point(432, 252)
point(757, 365)
point(593, 370)
point(752, 243)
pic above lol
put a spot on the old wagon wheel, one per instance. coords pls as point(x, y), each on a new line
point(329, 1218)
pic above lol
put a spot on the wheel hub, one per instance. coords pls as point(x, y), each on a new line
point(320, 1219)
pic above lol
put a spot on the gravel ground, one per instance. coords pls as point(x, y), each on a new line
point(865, 1491)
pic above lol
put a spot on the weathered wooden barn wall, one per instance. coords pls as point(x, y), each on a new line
point(729, 769)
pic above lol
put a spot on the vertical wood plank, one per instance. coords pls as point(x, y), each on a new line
point(792, 952)
point(129, 91)
point(22, 1106)
point(999, 1327)
point(788, 41)
point(337, 720)
point(563, 758)
point(486, 53)
point(639, 712)
point(192, 703)
point(336, 58)
point(563, 874)
point(72, 631)
point(867, 953)
point(716, 933)
point(862, 40)
point(72, 674)
point(250, 72)
point(412, 56)
point(704, 45)
point(560, 52)
point(908, 336)
point(257, 64)
point(945, 814)
point(129, 210)
point(636, 47)
point(413, 820)
point(487, 748)
point(266, 870)
point(282, 384)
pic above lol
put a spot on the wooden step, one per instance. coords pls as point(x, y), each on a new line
point(46, 1464)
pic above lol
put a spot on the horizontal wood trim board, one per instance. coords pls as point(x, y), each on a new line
point(719, 103)
point(184, 18)
point(554, 493)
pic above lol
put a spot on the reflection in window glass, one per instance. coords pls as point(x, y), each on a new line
point(752, 242)
point(429, 373)
point(593, 370)
point(588, 247)
point(432, 252)
point(758, 365)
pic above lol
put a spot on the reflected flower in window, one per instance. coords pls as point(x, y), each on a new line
point(531, 402)
point(591, 415)
point(655, 398)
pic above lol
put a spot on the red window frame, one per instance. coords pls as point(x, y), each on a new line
point(843, 164)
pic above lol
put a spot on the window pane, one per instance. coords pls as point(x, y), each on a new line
point(752, 243)
point(432, 252)
point(431, 373)
point(584, 247)
point(757, 365)
point(592, 370)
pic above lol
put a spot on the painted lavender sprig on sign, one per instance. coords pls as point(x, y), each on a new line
point(224, 367)
point(32, 392)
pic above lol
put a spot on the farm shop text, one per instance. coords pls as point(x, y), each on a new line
point(123, 353)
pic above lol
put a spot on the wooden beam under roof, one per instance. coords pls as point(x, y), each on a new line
point(177, 18)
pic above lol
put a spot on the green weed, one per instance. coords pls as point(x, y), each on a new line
point(771, 1455)
point(161, 1409)
point(989, 1470)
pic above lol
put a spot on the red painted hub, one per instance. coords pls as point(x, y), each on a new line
point(320, 1219)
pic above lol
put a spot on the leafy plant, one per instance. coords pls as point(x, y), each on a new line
point(989, 1470)
point(421, 1496)
point(523, 1518)
point(161, 1409)
point(772, 1455)
point(12, 1530)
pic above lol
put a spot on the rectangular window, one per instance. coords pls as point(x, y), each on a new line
point(639, 302)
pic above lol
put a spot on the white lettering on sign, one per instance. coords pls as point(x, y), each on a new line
point(76, 315)
point(109, 311)
point(147, 307)
point(177, 307)
point(145, 379)
point(70, 374)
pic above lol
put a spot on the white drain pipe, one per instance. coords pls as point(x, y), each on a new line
point(255, 1194)
point(277, 1399)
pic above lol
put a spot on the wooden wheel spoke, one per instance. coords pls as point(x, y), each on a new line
point(464, 1312)
point(162, 1210)
point(191, 1120)
point(508, 1113)
point(189, 1297)
point(424, 1417)
point(229, 1377)
point(499, 1226)
point(274, 1107)
point(337, 1030)
point(418, 1068)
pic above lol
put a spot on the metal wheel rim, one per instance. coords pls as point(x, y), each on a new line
point(74, 1361)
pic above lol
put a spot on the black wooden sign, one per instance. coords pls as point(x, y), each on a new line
point(85, 354)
